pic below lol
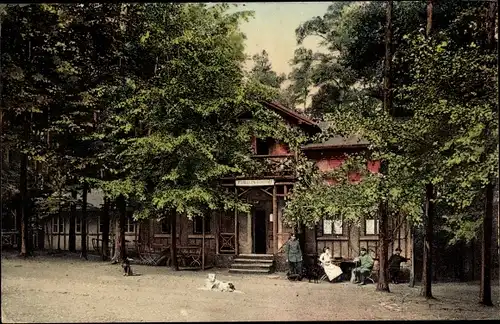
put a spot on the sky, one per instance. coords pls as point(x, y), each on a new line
point(273, 29)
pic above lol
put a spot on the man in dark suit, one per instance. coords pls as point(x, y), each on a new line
point(395, 265)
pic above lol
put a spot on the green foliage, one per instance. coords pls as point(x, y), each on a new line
point(445, 87)
point(169, 136)
point(262, 71)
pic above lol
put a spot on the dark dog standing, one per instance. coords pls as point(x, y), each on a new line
point(313, 272)
point(127, 269)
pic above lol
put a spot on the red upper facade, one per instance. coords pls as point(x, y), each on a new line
point(328, 155)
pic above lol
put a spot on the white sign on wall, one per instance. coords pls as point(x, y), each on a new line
point(255, 183)
point(337, 227)
point(371, 227)
point(327, 226)
point(332, 227)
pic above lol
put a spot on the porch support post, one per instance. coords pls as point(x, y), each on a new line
point(217, 231)
point(203, 243)
point(275, 221)
point(236, 223)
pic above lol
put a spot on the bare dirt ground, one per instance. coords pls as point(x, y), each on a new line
point(67, 289)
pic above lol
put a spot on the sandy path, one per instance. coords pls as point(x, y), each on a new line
point(48, 289)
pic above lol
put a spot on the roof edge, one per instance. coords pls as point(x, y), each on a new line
point(277, 106)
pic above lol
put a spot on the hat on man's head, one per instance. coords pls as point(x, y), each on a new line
point(398, 249)
point(363, 249)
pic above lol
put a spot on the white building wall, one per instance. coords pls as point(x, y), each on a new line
point(94, 236)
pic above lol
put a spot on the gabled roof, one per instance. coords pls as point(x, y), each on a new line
point(280, 109)
point(336, 142)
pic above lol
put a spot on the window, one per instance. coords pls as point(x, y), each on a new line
point(262, 146)
point(198, 224)
point(78, 224)
point(371, 227)
point(332, 227)
point(165, 226)
point(58, 225)
point(101, 226)
point(130, 226)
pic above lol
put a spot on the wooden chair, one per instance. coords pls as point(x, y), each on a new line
point(369, 278)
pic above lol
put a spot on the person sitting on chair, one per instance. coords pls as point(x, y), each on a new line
point(395, 265)
point(361, 272)
point(331, 270)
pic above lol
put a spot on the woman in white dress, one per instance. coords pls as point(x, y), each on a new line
point(332, 271)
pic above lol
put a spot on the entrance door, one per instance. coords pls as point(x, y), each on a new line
point(259, 230)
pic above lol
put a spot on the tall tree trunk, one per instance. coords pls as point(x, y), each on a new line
point(383, 276)
point(173, 245)
point(105, 230)
point(486, 251)
point(429, 206)
point(84, 219)
point(58, 230)
point(24, 205)
point(485, 291)
point(428, 28)
point(486, 257)
point(412, 275)
point(117, 248)
point(122, 221)
point(428, 241)
point(19, 221)
point(72, 222)
point(383, 280)
point(388, 60)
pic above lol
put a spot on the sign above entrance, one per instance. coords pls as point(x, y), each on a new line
point(255, 183)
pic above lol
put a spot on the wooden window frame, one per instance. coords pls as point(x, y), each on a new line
point(321, 229)
point(377, 228)
point(165, 222)
point(208, 227)
point(57, 222)
point(99, 224)
point(78, 224)
point(130, 223)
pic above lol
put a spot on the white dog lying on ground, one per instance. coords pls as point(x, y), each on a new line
point(213, 284)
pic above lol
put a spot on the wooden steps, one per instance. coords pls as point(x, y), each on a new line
point(253, 264)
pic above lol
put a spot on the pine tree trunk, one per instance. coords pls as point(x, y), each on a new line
point(19, 221)
point(388, 60)
point(429, 17)
point(428, 241)
point(486, 255)
point(72, 223)
point(173, 245)
point(412, 276)
point(383, 280)
point(383, 251)
point(84, 220)
point(117, 248)
point(105, 230)
point(24, 205)
point(58, 231)
point(485, 291)
point(122, 221)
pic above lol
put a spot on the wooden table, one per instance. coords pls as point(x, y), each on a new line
point(346, 265)
point(189, 255)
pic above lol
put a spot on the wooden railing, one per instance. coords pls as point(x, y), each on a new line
point(276, 164)
point(9, 239)
point(227, 243)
